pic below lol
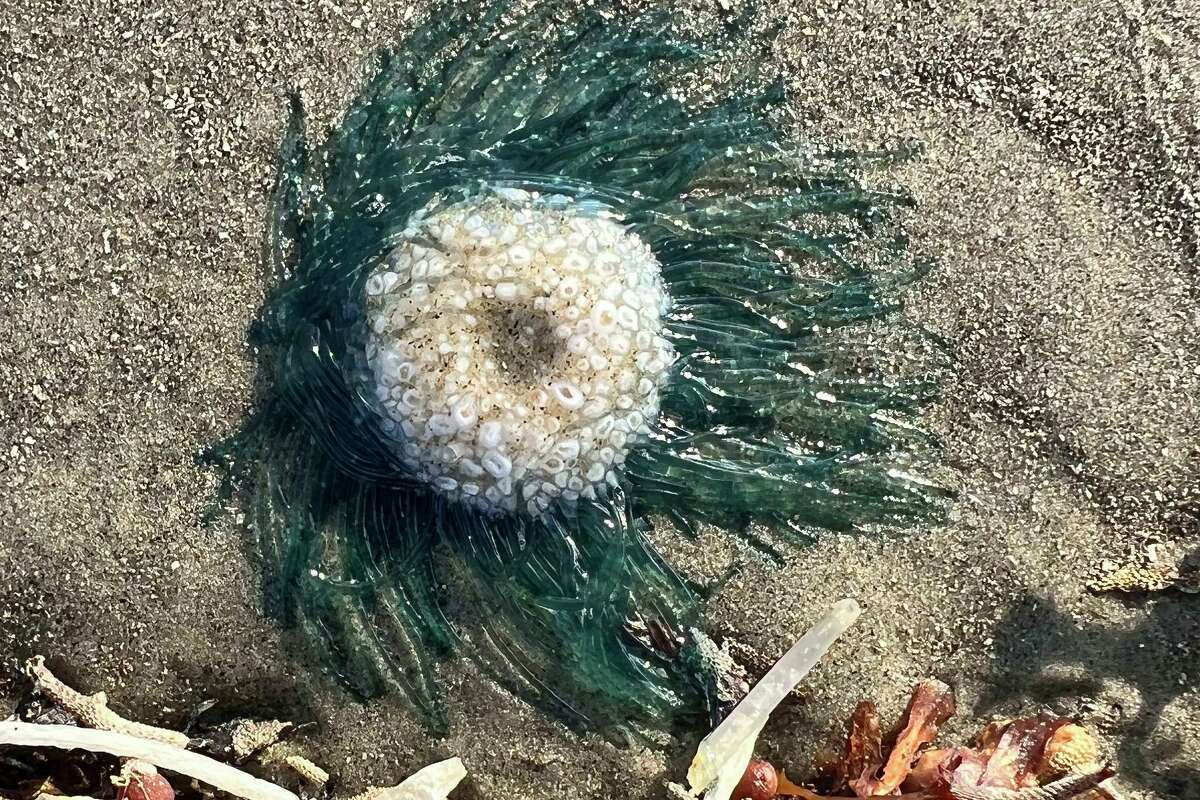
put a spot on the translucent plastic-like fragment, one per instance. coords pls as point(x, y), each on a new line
point(434, 782)
point(723, 755)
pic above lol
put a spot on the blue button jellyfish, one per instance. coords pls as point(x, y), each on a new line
point(532, 296)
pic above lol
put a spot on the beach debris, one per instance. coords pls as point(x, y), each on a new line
point(725, 680)
point(931, 704)
point(1040, 757)
point(88, 775)
point(249, 736)
point(434, 782)
point(128, 755)
point(722, 756)
point(140, 750)
point(34, 706)
point(241, 738)
point(755, 664)
point(1071, 749)
point(864, 745)
point(307, 770)
point(759, 782)
point(1062, 789)
point(92, 710)
point(162, 754)
point(140, 780)
point(1155, 577)
point(724, 667)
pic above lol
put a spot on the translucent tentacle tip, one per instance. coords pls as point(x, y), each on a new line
point(723, 755)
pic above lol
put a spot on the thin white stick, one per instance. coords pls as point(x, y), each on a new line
point(202, 768)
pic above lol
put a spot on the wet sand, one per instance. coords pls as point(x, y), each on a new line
point(1058, 195)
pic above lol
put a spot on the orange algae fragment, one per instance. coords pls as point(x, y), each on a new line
point(931, 704)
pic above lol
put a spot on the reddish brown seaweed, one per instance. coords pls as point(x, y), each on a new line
point(931, 704)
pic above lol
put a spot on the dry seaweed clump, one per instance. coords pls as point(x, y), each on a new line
point(65, 744)
point(1039, 757)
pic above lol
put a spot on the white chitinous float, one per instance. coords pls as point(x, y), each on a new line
point(516, 349)
point(723, 755)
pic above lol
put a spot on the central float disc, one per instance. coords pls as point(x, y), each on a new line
point(516, 350)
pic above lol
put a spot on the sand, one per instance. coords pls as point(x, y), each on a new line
point(1058, 195)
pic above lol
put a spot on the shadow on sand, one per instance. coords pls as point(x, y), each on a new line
point(1047, 656)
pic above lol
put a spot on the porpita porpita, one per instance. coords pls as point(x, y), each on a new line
point(535, 293)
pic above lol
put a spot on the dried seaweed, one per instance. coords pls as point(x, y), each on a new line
point(931, 704)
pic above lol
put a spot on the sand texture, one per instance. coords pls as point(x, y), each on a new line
point(1058, 193)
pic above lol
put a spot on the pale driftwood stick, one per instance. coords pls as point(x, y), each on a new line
point(161, 754)
point(92, 710)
